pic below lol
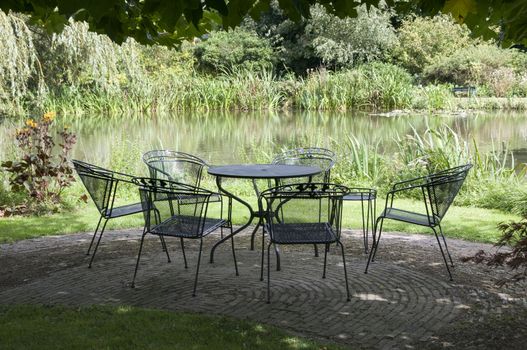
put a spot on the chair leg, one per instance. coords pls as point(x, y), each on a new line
point(234, 254)
point(269, 273)
point(442, 253)
point(278, 265)
point(197, 267)
point(364, 238)
point(375, 243)
point(98, 242)
point(446, 246)
point(263, 251)
point(316, 250)
point(378, 239)
point(183, 250)
point(94, 234)
point(165, 248)
point(138, 258)
point(345, 272)
point(325, 260)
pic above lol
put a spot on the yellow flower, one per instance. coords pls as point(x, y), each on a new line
point(31, 123)
point(48, 117)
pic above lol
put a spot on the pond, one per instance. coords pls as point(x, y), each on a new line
point(238, 137)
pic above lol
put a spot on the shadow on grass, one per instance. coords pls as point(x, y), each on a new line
point(123, 327)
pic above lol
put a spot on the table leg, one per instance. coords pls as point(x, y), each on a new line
point(252, 215)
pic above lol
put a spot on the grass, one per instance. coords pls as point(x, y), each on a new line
point(123, 327)
point(472, 224)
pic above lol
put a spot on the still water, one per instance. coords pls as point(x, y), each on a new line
point(238, 137)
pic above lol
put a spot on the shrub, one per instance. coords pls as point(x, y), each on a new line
point(325, 39)
point(513, 235)
point(40, 173)
point(485, 65)
point(422, 41)
point(224, 50)
point(345, 42)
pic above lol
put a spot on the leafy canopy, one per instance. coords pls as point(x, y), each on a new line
point(168, 21)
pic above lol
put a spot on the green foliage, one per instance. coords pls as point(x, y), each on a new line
point(325, 39)
point(226, 50)
point(168, 21)
point(374, 85)
point(500, 71)
point(41, 173)
point(21, 74)
point(350, 41)
point(513, 235)
point(423, 41)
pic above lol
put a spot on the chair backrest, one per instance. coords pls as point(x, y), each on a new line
point(173, 208)
point(321, 157)
point(442, 188)
point(99, 182)
point(304, 205)
point(175, 166)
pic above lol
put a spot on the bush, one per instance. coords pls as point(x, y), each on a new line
point(325, 39)
point(225, 50)
point(422, 41)
point(498, 70)
point(345, 42)
point(41, 173)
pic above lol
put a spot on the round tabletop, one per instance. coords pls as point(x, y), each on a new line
point(263, 171)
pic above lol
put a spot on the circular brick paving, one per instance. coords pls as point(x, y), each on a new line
point(391, 306)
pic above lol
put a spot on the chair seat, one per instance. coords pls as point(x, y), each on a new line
point(408, 216)
point(124, 210)
point(302, 233)
point(186, 226)
point(359, 196)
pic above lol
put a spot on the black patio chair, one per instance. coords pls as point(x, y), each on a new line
point(180, 167)
point(305, 213)
point(102, 185)
point(309, 156)
point(438, 191)
point(190, 219)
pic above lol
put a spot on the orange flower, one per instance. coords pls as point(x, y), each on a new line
point(31, 123)
point(48, 117)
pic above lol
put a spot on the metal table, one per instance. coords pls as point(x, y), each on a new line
point(255, 172)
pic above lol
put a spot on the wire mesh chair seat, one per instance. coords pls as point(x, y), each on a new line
point(410, 217)
point(187, 221)
point(124, 210)
point(319, 233)
point(184, 226)
point(102, 185)
point(438, 191)
point(305, 213)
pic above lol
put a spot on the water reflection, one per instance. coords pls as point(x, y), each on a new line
point(226, 137)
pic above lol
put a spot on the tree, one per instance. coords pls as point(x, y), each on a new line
point(168, 21)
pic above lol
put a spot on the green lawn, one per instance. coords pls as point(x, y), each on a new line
point(109, 327)
point(474, 224)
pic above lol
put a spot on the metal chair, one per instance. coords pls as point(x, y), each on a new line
point(312, 156)
point(180, 167)
point(189, 220)
point(102, 185)
point(305, 213)
point(438, 191)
